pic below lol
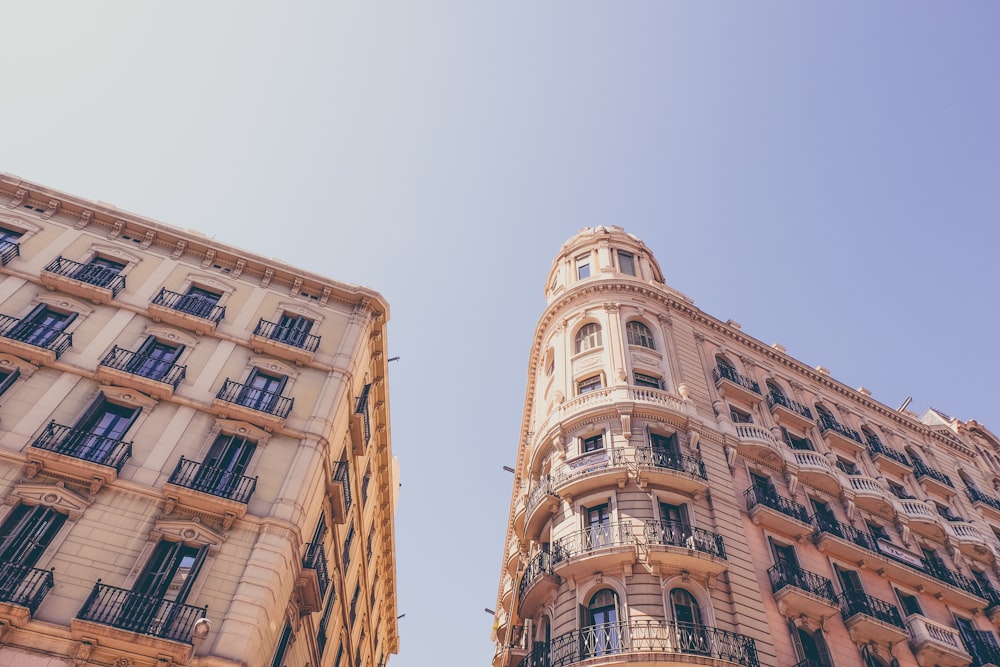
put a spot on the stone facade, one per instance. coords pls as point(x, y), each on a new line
point(195, 461)
point(685, 494)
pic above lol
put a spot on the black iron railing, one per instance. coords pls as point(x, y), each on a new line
point(853, 602)
point(145, 366)
point(542, 489)
point(809, 662)
point(82, 444)
point(671, 460)
point(825, 523)
point(191, 304)
point(756, 495)
point(977, 496)
point(92, 274)
point(287, 335)
point(342, 473)
point(9, 250)
point(982, 646)
point(828, 423)
point(678, 534)
point(142, 614)
point(727, 373)
point(590, 462)
point(921, 469)
point(315, 559)
point(875, 446)
point(785, 574)
point(775, 398)
point(32, 333)
point(939, 571)
point(592, 538)
point(255, 399)
point(644, 637)
point(540, 564)
point(214, 480)
point(23, 585)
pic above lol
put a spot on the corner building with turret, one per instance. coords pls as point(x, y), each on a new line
point(686, 495)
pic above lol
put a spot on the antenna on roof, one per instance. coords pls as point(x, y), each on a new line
point(905, 403)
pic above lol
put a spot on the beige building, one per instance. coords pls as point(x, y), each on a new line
point(686, 494)
point(195, 462)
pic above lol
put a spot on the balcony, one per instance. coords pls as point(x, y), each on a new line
point(788, 411)
point(95, 282)
point(813, 469)
point(674, 546)
point(78, 453)
point(284, 342)
point(972, 542)
point(8, 251)
point(870, 619)
point(842, 540)
point(587, 472)
point(642, 642)
point(934, 481)
point(988, 506)
point(936, 645)
point(239, 401)
point(140, 371)
point(923, 520)
point(983, 647)
point(672, 470)
point(887, 458)
point(757, 444)
point(35, 342)
point(953, 587)
point(187, 311)
point(153, 627)
point(838, 435)
point(519, 510)
point(600, 548)
point(23, 588)
point(315, 578)
point(799, 592)
point(777, 513)
point(339, 492)
point(209, 489)
point(538, 582)
point(871, 496)
point(733, 385)
point(512, 557)
point(542, 504)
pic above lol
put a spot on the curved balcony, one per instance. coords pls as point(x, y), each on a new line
point(923, 519)
point(542, 503)
point(777, 513)
point(973, 542)
point(871, 496)
point(887, 458)
point(520, 509)
point(757, 444)
point(643, 643)
point(96, 282)
point(788, 411)
point(602, 548)
point(813, 469)
point(840, 436)
point(936, 644)
point(671, 470)
point(598, 469)
point(513, 555)
point(871, 619)
point(538, 582)
point(658, 398)
point(800, 592)
point(733, 385)
point(675, 546)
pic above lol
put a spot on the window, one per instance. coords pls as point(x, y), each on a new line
point(99, 271)
point(292, 329)
point(795, 442)
point(639, 334)
point(99, 431)
point(593, 443)
point(26, 533)
point(651, 381)
point(945, 512)
point(41, 326)
point(878, 532)
point(167, 578)
point(9, 247)
point(676, 526)
point(222, 471)
point(811, 647)
point(850, 581)
point(601, 618)
point(588, 337)
point(199, 302)
point(898, 491)
point(346, 555)
point(365, 481)
point(762, 484)
point(739, 416)
point(283, 642)
point(354, 601)
point(847, 467)
point(154, 359)
point(909, 603)
point(691, 635)
point(626, 262)
point(598, 528)
point(784, 554)
point(261, 391)
point(588, 384)
point(8, 377)
point(774, 389)
point(583, 267)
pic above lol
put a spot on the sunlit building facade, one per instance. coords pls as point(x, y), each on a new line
point(686, 494)
point(195, 463)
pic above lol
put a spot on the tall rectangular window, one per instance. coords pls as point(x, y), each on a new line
point(100, 431)
point(261, 391)
point(626, 262)
point(26, 533)
point(199, 302)
point(8, 377)
point(154, 358)
point(593, 443)
point(583, 267)
point(41, 326)
point(292, 329)
point(225, 465)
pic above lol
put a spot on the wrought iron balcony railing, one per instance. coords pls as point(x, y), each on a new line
point(785, 574)
point(214, 480)
point(727, 373)
point(255, 399)
point(923, 470)
point(677, 534)
point(592, 538)
point(142, 614)
point(982, 646)
point(828, 423)
point(145, 366)
point(543, 487)
point(599, 459)
point(23, 585)
point(190, 304)
point(671, 460)
point(287, 335)
point(92, 274)
point(315, 559)
point(825, 523)
point(540, 564)
point(32, 333)
point(940, 572)
point(756, 495)
point(854, 602)
point(875, 446)
point(977, 496)
point(82, 444)
point(9, 250)
point(775, 398)
point(537, 657)
point(342, 473)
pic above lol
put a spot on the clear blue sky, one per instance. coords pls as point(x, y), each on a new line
point(827, 174)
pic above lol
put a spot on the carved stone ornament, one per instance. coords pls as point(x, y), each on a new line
point(296, 286)
point(188, 531)
point(242, 429)
point(148, 239)
point(266, 280)
point(129, 397)
point(117, 229)
point(209, 258)
point(179, 249)
point(85, 217)
point(240, 265)
point(9, 363)
point(19, 198)
point(52, 208)
point(56, 496)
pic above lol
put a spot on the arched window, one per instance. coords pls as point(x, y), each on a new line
point(602, 636)
point(869, 436)
point(775, 389)
point(688, 625)
point(639, 334)
point(588, 337)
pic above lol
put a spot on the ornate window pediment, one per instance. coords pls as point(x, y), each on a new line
point(240, 428)
point(56, 496)
point(129, 397)
point(188, 531)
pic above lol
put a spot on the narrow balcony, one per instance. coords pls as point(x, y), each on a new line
point(339, 492)
point(24, 587)
point(757, 444)
point(209, 488)
point(842, 540)
point(871, 496)
point(143, 372)
point(870, 619)
point(542, 504)
point(33, 341)
point(187, 311)
point(973, 543)
point(519, 510)
point(538, 582)
point(675, 546)
point(647, 641)
point(988, 506)
point(8, 251)
point(593, 470)
point(815, 470)
point(733, 385)
point(936, 645)
point(315, 578)
point(800, 592)
point(983, 647)
point(284, 342)
point(788, 411)
point(78, 453)
point(777, 513)
point(840, 436)
point(601, 548)
point(953, 587)
point(95, 282)
point(923, 520)
point(666, 469)
point(239, 401)
point(934, 481)
point(887, 458)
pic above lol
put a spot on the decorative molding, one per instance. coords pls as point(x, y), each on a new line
point(18, 199)
point(148, 239)
point(52, 208)
point(117, 229)
point(209, 258)
point(56, 496)
point(179, 249)
point(188, 531)
point(86, 216)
